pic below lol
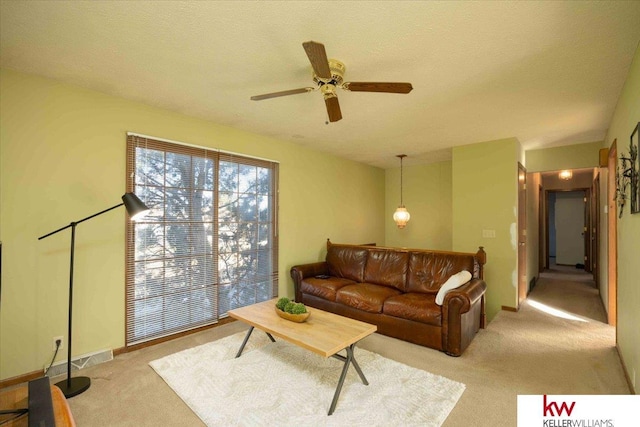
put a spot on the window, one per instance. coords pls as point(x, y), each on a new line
point(209, 243)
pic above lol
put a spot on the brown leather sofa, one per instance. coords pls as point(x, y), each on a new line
point(396, 289)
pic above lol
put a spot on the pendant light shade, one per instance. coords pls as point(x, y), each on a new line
point(401, 216)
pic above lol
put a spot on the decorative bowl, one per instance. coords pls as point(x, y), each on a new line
point(298, 318)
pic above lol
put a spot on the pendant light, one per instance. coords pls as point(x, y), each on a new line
point(401, 216)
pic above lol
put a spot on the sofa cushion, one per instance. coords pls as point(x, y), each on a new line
point(324, 288)
point(419, 307)
point(387, 267)
point(365, 296)
point(347, 261)
point(429, 270)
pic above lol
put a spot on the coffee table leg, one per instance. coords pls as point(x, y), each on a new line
point(246, 338)
point(355, 365)
point(358, 370)
point(347, 361)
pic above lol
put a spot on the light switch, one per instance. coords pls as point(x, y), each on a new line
point(490, 234)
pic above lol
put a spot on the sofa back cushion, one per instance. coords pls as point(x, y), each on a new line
point(429, 270)
point(347, 261)
point(387, 267)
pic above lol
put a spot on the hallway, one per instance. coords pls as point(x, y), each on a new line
point(570, 290)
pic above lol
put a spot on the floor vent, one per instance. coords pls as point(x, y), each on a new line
point(83, 361)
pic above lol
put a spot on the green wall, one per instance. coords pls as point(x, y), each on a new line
point(625, 118)
point(485, 179)
point(427, 196)
point(62, 157)
point(575, 156)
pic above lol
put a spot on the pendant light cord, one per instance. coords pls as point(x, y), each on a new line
point(402, 156)
point(401, 203)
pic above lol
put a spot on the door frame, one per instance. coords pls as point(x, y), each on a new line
point(595, 228)
point(612, 238)
point(523, 286)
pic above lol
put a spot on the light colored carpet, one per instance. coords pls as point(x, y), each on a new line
point(282, 384)
point(528, 352)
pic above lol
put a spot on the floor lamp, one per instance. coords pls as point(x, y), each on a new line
point(136, 209)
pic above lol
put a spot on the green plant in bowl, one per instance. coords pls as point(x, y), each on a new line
point(282, 303)
point(291, 310)
point(296, 308)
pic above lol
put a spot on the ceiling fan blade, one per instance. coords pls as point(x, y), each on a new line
point(333, 108)
point(283, 93)
point(318, 58)
point(378, 87)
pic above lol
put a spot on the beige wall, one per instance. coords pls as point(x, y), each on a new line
point(427, 197)
point(575, 156)
point(485, 197)
point(625, 118)
point(63, 158)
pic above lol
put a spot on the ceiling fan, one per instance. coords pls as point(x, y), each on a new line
point(328, 75)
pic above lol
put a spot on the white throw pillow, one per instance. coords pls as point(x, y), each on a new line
point(453, 282)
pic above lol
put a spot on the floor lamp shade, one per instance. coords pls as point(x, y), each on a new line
point(135, 208)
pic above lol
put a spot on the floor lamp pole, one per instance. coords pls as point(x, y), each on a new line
point(76, 385)
point(136, 209)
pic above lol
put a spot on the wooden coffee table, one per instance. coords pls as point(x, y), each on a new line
point(323, 333)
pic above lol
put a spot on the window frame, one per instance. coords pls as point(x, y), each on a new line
point(135, 141)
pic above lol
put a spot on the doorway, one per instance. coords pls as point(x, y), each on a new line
point(567, 236)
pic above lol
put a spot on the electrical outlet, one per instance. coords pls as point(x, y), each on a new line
point(61, 343)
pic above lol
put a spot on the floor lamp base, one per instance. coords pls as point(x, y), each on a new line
point(74, 386)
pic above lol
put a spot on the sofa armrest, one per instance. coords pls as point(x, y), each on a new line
point(459, 301)
point(469, 293)
point(462, 314)
point(300, 272)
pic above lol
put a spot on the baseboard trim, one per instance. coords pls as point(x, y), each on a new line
point(507, 308)
point(21, 378)
point(626, 373)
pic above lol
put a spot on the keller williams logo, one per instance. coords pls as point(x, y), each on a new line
point(548, 408)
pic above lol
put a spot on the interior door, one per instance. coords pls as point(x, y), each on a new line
point(587, 231)
point(569, 222)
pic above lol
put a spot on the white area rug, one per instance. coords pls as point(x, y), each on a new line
point(280, 384)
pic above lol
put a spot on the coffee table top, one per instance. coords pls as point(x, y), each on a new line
point(323, 333)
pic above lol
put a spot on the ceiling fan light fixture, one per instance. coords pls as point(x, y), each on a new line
point(328, 91)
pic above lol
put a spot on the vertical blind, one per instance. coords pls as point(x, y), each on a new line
point(209, 243)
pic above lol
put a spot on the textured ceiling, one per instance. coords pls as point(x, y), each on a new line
point(547, 73)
